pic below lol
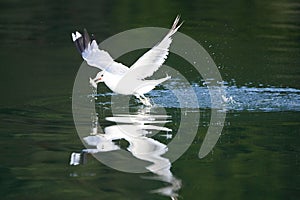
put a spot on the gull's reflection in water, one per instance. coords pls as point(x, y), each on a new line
point(136, 129)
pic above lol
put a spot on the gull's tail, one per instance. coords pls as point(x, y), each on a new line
point(161, 80)
point(81, 42)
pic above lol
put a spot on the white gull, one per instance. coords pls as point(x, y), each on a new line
point(118, 77)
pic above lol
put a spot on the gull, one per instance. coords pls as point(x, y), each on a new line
point(120, 78)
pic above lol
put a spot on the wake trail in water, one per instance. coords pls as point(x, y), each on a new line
point(269, 99)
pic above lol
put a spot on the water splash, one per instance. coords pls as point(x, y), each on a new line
point(269, 99)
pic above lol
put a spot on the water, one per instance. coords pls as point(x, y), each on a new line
point(255, 45)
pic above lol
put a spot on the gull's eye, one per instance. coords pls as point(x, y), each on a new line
point(101, 75)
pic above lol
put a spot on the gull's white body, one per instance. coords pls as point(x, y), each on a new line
point(132, 85)
point(118, 77)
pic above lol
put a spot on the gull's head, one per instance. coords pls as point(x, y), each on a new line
point(99, 77)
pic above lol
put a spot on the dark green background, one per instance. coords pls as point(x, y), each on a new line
point(254, 43)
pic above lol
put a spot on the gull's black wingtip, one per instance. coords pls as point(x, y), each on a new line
point(86, 38)
point(81, 41)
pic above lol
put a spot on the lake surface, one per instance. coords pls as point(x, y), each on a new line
point(255, 45)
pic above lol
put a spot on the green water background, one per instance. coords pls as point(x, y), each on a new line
point(254, 44)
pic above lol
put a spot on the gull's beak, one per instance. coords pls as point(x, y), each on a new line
point(97, 80)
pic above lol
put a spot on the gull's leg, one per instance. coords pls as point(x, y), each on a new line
point(146, 100)
point(143, 99)
point(139, 97)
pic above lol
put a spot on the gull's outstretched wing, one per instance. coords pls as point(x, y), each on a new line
point(95, 57)
point(150, 62)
